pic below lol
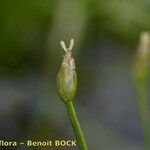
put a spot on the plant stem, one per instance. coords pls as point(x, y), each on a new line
point(76, 126)
point(141, 72)
point(143, 110)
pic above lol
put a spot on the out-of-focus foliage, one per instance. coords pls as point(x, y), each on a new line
point(25, 25)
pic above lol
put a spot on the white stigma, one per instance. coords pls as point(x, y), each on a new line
point(71, 44)
point(63, 45)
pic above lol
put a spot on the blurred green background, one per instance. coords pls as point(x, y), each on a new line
point(106, 35)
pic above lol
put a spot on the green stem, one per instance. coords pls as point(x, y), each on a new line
point(76, 126)
point(143, 110)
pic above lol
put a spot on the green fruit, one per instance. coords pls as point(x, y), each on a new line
point(67, 78)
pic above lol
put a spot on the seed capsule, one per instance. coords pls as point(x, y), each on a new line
point(141, 67)
point(67, 78)
point(144, 48)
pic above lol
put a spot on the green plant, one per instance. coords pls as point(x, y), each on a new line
point(141, 69)
point(66, 87)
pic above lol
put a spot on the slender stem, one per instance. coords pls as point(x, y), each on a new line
point(141, 72)
point(76, 126)
point(143, 110)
